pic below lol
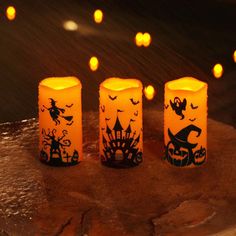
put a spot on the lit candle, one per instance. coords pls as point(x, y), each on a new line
point(121, 132)
point(185, 122)
point(60, 121)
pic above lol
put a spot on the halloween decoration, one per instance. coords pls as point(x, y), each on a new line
point(60, 121)
point(185, 122)
point(121, 133)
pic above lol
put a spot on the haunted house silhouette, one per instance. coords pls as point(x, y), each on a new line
point(120, 148)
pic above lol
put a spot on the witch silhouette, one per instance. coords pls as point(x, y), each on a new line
point(55, 113)
point(180, 140)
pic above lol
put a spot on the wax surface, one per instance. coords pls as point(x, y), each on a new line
point(60, 121)
point(185, 122)
point(121, 136)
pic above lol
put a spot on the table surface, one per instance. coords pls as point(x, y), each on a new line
point(151, 199)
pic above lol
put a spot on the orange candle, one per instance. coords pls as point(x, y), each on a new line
point(120, 122)
point(185, 122)
point(60, 121)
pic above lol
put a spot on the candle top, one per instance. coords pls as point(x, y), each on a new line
point(118, 84)
point(186, 84)
point(59, 83)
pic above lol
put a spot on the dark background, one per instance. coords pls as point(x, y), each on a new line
point(189, 37)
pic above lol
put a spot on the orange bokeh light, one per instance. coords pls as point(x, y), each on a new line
point(93, 63)
point(234, 56)
point(139, 39)
point(11, 13)
point(146, 39)
point(218, 70)
point(149, 92)
point(98, 16)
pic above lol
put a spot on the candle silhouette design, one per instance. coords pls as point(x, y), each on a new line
point(185, 122)
point(120, 122)
point(60, 121)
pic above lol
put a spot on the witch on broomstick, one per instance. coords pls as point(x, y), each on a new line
point(55, 113)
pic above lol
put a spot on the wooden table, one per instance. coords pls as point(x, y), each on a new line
point(91, 199)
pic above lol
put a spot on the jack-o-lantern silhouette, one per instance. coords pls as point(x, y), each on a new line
point(185, 122)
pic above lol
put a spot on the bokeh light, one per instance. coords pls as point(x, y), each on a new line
point(11, 13)
point(98, 16)
point(93, 63)
point(70, 25)
point(139, 39)
point(146, 39)
point(217, 70)
point(149, 92)
point(234, 56)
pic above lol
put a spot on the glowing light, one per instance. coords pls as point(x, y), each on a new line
point(70, 25)
point(93, 63)
point(139, 39)
point(149, 92)
point(234, 56)
point(146, 39)
point(98, 16)
point(217, 70)
point(11, 13)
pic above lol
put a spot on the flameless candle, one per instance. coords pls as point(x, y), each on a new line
point(185, 122)
point(60, 121)
point(121, 132)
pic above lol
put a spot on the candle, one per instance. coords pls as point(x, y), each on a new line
point(185, 122)
point(120, 122)
point(60, 121)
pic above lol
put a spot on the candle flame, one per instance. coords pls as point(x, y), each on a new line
point(149, 92)
point(139, 39)
point(98, 16)
point(234, 56)
point(11, 13)
point(70, 25)
point(217, 70)
point(93, 63)
point(146, 39)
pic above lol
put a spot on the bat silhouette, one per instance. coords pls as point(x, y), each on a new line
point(179, 106)
point(69, 106)
point(103, 108)
point(70, 123)
point(136, 113)
point(192, 119)
point(133, 102)
point(118, 110)
point(166, 106)
point(193, 107)
point(112, 98)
